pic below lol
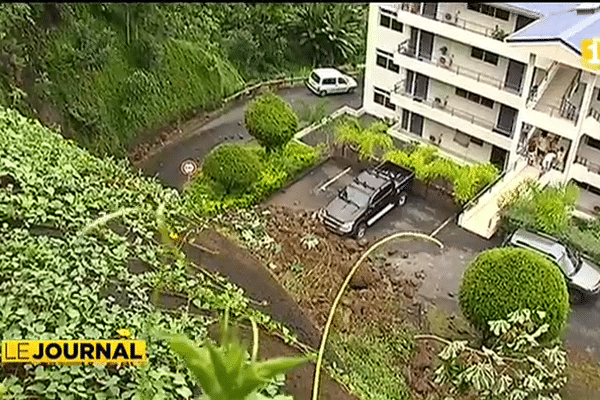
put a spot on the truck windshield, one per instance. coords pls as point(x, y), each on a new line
point(355, 196)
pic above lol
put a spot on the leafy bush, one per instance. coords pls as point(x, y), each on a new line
point(515, 367)
point(58, 284)
point(271, 121)
point(503, 280)
point(232, 166)
point(429, 166)
point(545, 209)
point(367, 141)
point(205, 197)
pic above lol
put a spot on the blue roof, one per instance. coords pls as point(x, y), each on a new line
point(560, 23)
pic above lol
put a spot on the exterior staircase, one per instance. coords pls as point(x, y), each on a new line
point(482, 214)
point(550, 100)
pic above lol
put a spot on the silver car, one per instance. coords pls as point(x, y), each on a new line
point(581, 273)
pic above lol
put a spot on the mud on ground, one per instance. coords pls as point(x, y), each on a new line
point(312, 264)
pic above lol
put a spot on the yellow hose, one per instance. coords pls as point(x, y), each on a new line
point(316, 380)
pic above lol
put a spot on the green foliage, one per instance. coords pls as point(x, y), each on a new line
point(85, 59)
point(58, 284)
point(503, 280)
point(204, 197)
point(367, 141)
point(330, 34)
point(309, 115)
point(466, 181)
point(227, 372)
point(515, 367)
point(538, 208)
point(271, 121)
point(374, 362)
point(232, 166)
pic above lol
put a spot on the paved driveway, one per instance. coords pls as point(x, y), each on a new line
point(441, 270)
point(229, 128)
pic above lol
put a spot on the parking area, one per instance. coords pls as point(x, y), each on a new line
point(421, 213)
point(439, 270)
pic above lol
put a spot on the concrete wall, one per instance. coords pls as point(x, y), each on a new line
point(447, 134)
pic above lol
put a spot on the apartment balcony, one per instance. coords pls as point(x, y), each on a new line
point(591, 124)
point(453, 19)
point(446, 22)
point(452, 72)
point(456, 118)
point(586, 171)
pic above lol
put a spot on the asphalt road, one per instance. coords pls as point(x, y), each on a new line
point(442, 269)
point(197, 142)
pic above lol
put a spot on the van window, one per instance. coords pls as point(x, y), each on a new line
point(342, 81)
point(316, 78)
point(329, 81)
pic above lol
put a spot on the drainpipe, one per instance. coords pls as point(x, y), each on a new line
point(591, 80)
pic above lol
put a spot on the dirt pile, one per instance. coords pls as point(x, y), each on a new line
point(312, 264)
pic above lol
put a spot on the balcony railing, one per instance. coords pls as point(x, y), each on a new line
point(455, 112)
point(591, 166)
point(566, 110)
point(594, 114)
point(447, 63)
point(453, 19)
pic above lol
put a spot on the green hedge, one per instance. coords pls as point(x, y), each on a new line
point(502, 280)
point(232, 166)
point(429, 166)
point(271, 121)
point(276, 170)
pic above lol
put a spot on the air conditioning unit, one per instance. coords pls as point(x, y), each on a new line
point(403, 47)
point(439, 103)
point(445, 61)
point(448, 17)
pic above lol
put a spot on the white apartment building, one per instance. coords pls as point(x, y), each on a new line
point(483, 81)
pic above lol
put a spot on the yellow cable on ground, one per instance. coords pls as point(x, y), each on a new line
point(316, 380)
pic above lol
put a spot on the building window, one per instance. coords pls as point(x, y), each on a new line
point(384, 20)
point(389, 22)
point(489, 10)
point(383, 97)
point(405, 118)
point(484, 55)
point(593, 143)
point(386, 60)
point(476, 141)
point(475, 98)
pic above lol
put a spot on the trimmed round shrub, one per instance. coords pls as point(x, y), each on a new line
point(232, 166)
point(502, 280)
point(271, 121)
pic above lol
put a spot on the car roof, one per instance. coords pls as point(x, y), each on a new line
point(538, 241)
point(328, 72)
point(371, 181)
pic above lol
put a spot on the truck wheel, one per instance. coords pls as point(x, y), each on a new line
point(401, 199)
point(361, 229)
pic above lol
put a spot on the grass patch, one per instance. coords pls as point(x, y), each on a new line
point(375, 362)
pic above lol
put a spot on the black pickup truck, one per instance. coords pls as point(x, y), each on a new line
point(370, 196)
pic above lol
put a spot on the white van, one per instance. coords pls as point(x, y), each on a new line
point(323, 81)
